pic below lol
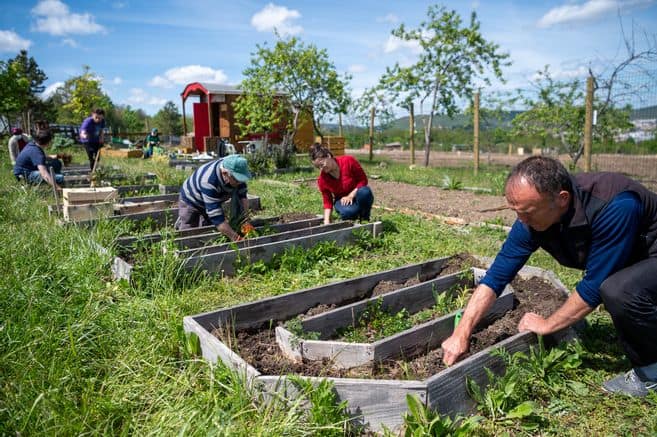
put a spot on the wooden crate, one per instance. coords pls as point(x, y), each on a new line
point(121, 153)
point(78, 196)
point(89, 211)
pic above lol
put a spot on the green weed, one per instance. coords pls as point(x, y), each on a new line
point(420, 421)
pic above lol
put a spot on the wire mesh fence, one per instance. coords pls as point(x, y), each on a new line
point(632, 150)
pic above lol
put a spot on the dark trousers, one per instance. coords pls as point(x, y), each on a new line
point(92, 151)
point(630, 296)
point(189, 217)
point(360, 208)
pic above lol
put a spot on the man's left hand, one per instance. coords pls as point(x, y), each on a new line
point(534, 323)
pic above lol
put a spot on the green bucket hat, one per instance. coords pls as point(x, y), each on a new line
point(238, 167)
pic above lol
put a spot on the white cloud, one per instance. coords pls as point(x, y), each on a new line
point(50, 89)
point(586, 11)
point(356, 68)
point(186, 74)
point(11, 42)
point(117, 80)
point(119, 5)
point(393, 44)
point(139, 97)
point(70, 42)
point(55, 18)
point(278, 18)
point(388, 18)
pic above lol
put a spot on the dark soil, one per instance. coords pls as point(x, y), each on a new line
point(295, 217)
point(261, 350)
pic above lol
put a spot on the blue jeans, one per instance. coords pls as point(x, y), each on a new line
point(35, 178)
point(360, 208)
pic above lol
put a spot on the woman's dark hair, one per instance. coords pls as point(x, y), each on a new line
point(43, 137)
point(318, 151)
point(547, 175)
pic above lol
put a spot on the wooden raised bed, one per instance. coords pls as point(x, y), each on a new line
point(414, 298)
point(376, 402)
point(250, 252)
point(222, 257)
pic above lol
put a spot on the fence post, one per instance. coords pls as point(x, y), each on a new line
point(411, 131)
point(372, 133)
point(588, 124)
point(476, 133)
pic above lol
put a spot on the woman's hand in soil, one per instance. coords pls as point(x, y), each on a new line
point(453, 348)
point(534, 323)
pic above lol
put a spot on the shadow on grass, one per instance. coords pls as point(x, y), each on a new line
point(600, 340)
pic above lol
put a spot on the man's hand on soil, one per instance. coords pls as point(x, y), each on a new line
point(534, 323)
point(453, 348)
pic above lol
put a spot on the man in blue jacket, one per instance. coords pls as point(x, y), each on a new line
point(602, 223)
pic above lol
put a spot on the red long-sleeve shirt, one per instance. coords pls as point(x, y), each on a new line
point(351, 176)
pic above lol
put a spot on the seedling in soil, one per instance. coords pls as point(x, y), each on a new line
point(376, 323)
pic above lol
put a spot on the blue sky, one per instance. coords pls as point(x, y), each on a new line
point(146, 51)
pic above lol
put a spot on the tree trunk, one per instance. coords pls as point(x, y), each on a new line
point(411, 131)
point(427, 139)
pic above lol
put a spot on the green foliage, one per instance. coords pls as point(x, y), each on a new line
point(328, 416)
point(452, 57)
point(21, 83)
point(79, 96)
point(304, 73)
point(449, 183)
point(260, 162)
point(375, 323)
point(168, 119)
point(60, 141)
point(420, 421)
point(295, 326)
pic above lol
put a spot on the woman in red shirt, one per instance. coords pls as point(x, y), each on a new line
point(343, 185)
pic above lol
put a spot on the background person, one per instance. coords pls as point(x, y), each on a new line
point(602, 223)
point(343, 185)
point(33, 165)
point(17, 142)
point(152, 140)
point(92, 134)
point(203, 193)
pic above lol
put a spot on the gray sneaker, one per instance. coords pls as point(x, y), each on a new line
point(629, 383)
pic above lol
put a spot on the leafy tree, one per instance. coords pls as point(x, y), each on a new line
point(557, 109)
point(452, 57)
point(168, 119)
point(260, 109)
point(21, 83)
point(304, 74)
point(79, 96)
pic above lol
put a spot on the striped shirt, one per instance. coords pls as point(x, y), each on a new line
point(206, 190)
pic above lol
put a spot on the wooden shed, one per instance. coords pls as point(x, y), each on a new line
point(214, 118)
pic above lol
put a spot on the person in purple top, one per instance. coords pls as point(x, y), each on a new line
point(602, 223)
point(91, 134)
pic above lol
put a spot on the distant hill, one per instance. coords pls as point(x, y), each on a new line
point(460, 121)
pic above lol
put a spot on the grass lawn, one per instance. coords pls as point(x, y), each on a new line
point(80, 354)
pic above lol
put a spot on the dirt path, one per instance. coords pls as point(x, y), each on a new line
point(463, 205)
